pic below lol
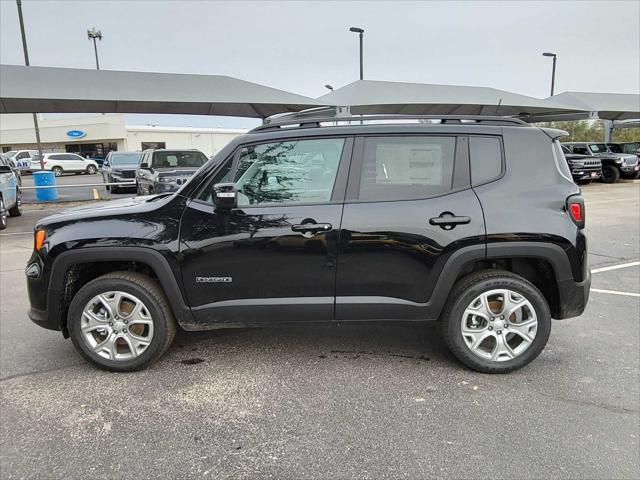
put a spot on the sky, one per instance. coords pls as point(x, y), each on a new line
point(301, 46)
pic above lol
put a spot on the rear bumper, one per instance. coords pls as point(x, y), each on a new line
point(573, 297)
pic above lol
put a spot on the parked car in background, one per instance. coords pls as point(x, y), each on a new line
point(22, 158)
point(625, 147)
point(163, 170)
point(9, 193)
point(60, 163)
point(584, 168)
point(614, 165)
point(14, 167)
point(298, 224)
point(120, 167)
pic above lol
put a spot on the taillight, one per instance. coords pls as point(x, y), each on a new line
point(39, 236)
point(575, 208)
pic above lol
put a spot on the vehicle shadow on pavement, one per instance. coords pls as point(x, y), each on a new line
point(421, 343)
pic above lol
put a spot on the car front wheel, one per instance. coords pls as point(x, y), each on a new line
point(16, 210)
point(496, 321)
point(121, 321)
point(91, 170)
point(610, 174)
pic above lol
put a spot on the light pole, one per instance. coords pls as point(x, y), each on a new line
point(360, 33)
point(92, 35)
point(553, 71)
point(26, 62)
point(328, 87)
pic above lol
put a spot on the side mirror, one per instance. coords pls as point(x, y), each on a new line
point(5, 169)
point(144, 165)
point(225, 196)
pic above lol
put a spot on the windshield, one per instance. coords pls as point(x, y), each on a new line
point(178, 159)
point(598, 148)
point(11, 153)
point(615, 148)
point(124, 158)
point(631, 147)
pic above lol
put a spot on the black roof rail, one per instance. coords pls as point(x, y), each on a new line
point(311, 122)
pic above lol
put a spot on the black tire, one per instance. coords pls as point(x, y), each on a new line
point(57, 171)
point(150, 293)
point(469, 288)
point(610, 174)
point(3, 215)
point(583, 182)
point(16, 210)
point(91, 170)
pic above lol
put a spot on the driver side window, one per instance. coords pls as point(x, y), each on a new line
point(288, 171)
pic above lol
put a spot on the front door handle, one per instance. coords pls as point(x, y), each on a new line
point(311, 227)
point(448, 221)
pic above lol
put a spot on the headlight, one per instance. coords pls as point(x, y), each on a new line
point(167, 179)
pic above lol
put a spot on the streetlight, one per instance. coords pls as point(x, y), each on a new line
point(328, 87)
point(26, 62)
point(92, 35)
point(359, 31)
point(553, 72)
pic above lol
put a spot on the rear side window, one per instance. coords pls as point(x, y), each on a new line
point(405, 168)
point(58, 157)
point(486, 159)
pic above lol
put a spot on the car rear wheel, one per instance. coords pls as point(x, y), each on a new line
point(610, 174)
point(57, 171)
point(16, 210)
point(496, 321)
point(3, 215)
point(121, 321)
point(91, 170)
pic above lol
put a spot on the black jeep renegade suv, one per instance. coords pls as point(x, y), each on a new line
point(473, 222)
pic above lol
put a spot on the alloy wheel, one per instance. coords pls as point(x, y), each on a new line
point(116, 325)
point(499, 325)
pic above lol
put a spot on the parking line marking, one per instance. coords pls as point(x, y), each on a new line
point(96, 196)
point(615, 267)
point(615, 292)
point(16, 233)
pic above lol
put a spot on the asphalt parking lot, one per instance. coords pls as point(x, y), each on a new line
point(333, 402)
point(74, 188)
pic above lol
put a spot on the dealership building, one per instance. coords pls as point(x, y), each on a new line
point(96, 135)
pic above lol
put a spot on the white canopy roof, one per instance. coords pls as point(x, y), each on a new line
point(606, 106)
point(46, 89)
point(371, 97)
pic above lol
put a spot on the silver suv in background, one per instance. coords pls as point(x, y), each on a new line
point(9, 192)
point(614, 165)
point(164, 170)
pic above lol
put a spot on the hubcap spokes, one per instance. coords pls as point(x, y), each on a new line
point(499, 325)
point(116, 325)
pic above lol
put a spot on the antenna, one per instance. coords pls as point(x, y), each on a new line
point(498, 107)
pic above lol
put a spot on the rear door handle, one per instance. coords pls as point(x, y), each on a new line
point(312, 227)
point(448, 221)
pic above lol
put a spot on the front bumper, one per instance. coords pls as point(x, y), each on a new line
point(50, 317)
point(573, 297)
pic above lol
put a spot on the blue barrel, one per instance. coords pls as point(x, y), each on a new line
point(42, 179)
